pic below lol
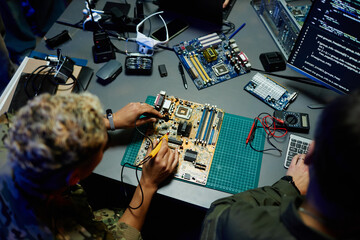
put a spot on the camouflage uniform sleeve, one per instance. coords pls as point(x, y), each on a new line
point(124, 231)
point(120, 230)
point(4, 127)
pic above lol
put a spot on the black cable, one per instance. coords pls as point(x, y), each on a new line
point(136, 171)
point(37, 91)
point(30, 78)
point(268, 137)
point(230, 25)
point(144, 135)
point(138, 180)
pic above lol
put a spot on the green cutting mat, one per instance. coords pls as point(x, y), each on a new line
point(235, 167)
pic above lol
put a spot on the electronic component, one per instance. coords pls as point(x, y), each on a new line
point(109, 71)
point(64, 70)
point(220, 69)
point(162, 70)
point(103, 49)
point(167, 105)
point(139, 65)
point(193, 129)
point(270, 92)
point(294, 121)
point(210, 54)
point(58, 39)
point(159, 100)
point(184, 129)
point(283, 19)
point(212, 59)
point(272, 61)
point(297, 145)
point(190, 155)
point(183, 112)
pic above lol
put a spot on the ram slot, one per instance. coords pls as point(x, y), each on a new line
point(201, 124)
point(209, 126)
point(202, 69)
point(197, 68)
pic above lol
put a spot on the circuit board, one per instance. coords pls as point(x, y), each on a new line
point(193, 129)
point(270, 92)
point(212, 59)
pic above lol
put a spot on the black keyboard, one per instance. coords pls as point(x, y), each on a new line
point(297, 145)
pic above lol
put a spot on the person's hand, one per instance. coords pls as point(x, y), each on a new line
point(156, 170)
point(225, 3)
point(126, 116)
point(299, 172)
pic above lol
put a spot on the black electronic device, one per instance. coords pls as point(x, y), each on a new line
point(327, 49)
point(58, 39)
point(162, 70)
point(138, 65)
point(175, 27)
point(109, 71)
point(64, 70)
point(103, 50)
point(294, 121)
point(273, 61)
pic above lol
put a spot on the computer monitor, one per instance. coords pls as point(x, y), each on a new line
point(327, 49)
point(209, 10)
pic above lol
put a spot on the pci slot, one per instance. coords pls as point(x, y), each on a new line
point(207, 36)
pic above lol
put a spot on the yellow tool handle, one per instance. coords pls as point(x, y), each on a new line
point(158, 146)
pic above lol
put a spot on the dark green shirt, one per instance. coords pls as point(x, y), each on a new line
point(262, 213)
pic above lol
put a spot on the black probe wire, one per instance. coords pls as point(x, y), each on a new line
point(268, 137)
point(136, 171)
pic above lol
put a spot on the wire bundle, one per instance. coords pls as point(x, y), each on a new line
point(268, 123)
point(41, 74)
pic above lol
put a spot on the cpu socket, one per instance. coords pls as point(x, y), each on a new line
point(220, 69)
point(183, 112)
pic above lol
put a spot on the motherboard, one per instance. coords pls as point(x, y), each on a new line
point(212, 59)
point(192, 128)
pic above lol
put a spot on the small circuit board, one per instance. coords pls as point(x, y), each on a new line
point(193, 129)
point(270, 92)
point(212, 59)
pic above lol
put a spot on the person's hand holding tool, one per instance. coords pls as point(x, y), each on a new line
point(126, 116)
point(162, 164)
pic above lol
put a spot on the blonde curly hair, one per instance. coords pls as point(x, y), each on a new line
point(55, 131)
